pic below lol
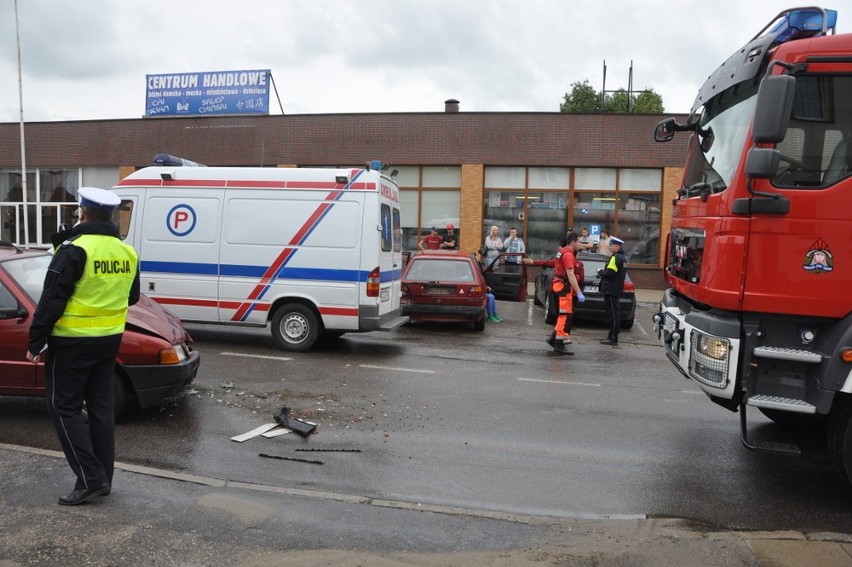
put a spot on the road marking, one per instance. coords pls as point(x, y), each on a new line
point(641, 328)
point(559, 382)
point(254, 356)
point(373, 366)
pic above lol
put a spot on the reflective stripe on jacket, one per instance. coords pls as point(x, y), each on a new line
point(98, 306)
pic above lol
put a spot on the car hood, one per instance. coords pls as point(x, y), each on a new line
point(149, 317)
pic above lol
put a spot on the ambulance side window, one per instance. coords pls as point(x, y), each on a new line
point(125, 215)
point(387, 240)
point(397, 231)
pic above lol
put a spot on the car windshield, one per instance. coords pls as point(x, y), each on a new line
point(440, 270)
point(29, 273)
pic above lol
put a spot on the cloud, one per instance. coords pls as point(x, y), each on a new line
point(88, 60)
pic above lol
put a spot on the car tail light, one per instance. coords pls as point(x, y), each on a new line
point(373, 281)
point(629, 286)
point(476, 290)
point(405, 292)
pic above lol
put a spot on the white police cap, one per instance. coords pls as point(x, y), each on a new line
point(615, 240)
point(94, 198)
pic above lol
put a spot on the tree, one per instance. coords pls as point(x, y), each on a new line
point(648, 102)
point(584, 98)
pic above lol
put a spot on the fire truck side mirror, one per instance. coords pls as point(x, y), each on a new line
point(665, 130)
point(762, 163)
point(773, 108)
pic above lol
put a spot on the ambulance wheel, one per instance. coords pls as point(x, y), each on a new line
point(295, 327)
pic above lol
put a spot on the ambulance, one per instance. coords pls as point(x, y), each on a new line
point(313, 252)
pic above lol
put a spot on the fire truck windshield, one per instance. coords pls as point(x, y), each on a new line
point(715, 149)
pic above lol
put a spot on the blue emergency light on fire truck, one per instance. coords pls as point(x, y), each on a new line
point(313, 251)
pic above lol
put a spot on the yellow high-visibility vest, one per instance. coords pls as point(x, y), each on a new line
point(98, 306)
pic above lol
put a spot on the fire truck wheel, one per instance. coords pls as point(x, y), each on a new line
point(295, 327)
point(800, 421)
point(840, 441)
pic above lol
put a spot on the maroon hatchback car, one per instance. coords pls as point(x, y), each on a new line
point(154, 363)
point(444, 286)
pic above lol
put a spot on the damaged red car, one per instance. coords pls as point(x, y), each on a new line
point(444, 286)
point(155, 361)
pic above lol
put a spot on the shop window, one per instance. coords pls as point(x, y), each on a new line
point(639, 227)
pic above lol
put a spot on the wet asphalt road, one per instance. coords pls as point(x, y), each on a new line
point(492, 421)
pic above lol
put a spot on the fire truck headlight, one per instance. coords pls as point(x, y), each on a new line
point(714, 347)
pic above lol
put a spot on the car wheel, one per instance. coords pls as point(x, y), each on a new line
point(295, 327)
point(536, 300)
point(479, 324)
point(628, 324)
point(120, 396)
point(551, 311)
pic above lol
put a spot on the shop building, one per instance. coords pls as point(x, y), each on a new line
point(538, 172)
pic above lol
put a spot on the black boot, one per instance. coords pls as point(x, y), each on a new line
point(551, 340)
point(559, 347)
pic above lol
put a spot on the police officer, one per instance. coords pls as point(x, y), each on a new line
point(612, 286)
point(80, 319)
point(564, 285)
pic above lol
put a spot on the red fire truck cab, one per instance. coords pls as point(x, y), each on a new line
point(759, 256)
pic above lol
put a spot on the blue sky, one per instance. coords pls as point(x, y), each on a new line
point(88, 60)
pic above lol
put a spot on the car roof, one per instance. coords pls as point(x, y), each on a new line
point(444, 254)
point(592, 256)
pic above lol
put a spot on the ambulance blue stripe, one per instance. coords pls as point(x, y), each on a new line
point(234, 270)
point(181, 268)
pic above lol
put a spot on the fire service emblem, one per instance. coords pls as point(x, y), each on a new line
point(819, 259)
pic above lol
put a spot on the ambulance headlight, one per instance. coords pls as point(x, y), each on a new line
point(714, 347)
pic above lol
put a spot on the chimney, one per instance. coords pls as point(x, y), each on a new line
point(451, 105)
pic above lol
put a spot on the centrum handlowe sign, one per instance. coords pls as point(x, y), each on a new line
point(203, 94)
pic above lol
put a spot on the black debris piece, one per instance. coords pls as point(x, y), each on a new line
point(330, 450)
point(280, 458)
point(295, 425)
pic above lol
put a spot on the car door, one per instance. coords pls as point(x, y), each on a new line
point(16, 372)
point(507, 281)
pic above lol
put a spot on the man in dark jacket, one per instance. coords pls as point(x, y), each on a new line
point(612, 286)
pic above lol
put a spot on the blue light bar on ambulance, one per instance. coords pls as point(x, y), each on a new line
point(806, 22)
point(377, 165)
point(167, 159)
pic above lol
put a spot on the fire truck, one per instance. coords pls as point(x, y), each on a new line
point(759, 255)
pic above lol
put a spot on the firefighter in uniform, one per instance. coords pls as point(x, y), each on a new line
point(612, 286)
point(564, 285)
point(80, 319)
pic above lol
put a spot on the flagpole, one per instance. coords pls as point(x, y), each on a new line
point(23, 144)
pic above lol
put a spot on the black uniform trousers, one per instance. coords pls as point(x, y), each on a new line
point(80, 370)
point(613, 316)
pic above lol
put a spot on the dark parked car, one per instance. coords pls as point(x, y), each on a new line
point(154, 363)
point(444, 286)
point(593, 308)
